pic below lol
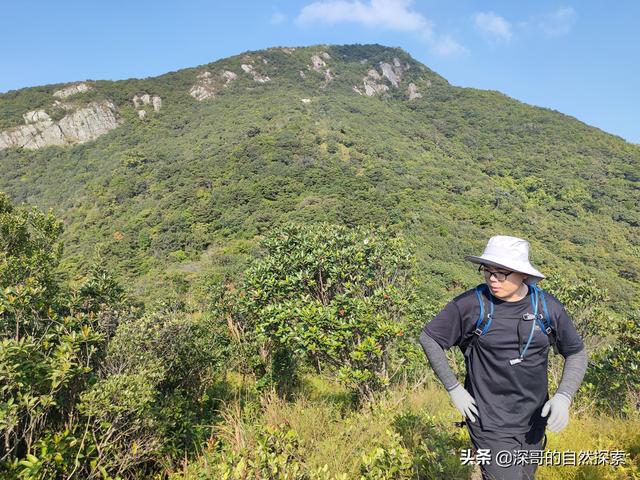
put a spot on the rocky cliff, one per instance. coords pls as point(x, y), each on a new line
point(78, 126)
point(86, 117)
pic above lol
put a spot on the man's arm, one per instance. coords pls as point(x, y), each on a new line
point(438, 360)
point(557, 407)
point(575, 366)
point(460, 398)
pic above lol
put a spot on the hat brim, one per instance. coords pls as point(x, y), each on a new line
point(527, 269)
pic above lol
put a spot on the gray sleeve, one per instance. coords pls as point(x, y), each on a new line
point(573, 371)
point(438, 361)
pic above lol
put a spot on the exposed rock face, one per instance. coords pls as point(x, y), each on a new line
point(317, 62)
point(71, 90)
point(66, 106)
point(229, 77)
point(146, 99)
point(85, 124)
point(206, 86)
point(371, 87)
point(247, 68)
point(32, 136)
point(374, 75)
point(202, 92)
point(371, 84)
point(374, 82)
point(35, 116)
point(412, 90)
point(306, 100)
point(328, 76)
point(389, 73)
point(142, 114)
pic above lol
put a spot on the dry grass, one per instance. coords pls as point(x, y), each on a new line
point(331, 433)
point(592, 433)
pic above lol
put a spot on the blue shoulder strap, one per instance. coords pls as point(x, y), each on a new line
point(480, 328)
point(547, 317)
point(543, 320)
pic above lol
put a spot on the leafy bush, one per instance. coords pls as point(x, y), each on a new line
point(387, 460)
point(178, 357)
point(329, 295)
point(613, 377)
point(434, 449)
point(586, 302)
point(30, 251)
point(53, 339)
point(275, 456)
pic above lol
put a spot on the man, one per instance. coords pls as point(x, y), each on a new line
point(505, 328)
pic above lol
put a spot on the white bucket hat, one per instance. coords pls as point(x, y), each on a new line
point(511, 253)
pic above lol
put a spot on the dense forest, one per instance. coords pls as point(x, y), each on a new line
point(233, 286)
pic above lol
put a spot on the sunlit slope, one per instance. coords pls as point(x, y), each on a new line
point(350, 134)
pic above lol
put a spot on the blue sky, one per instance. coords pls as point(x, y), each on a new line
point(580, 58)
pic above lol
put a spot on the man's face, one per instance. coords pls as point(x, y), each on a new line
point(502, 282)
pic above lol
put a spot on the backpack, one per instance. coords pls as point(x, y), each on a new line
point(483, 324)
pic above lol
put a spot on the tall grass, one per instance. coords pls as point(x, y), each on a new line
point(335, 438)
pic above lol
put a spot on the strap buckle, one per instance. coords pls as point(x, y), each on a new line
point(548, 330)
point(478, 331)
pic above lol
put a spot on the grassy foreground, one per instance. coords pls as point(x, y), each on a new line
point(408, 433)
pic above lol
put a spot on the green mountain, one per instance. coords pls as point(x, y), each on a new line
point(173, 177)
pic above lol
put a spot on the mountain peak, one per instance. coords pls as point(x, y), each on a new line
point(89, 112)
point(174, 164)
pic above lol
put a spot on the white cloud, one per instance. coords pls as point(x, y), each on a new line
point(445, 45)
point(278, 18)
point(550, 25)
point(389, 14)
point(493, 26)
point(385, 14)
point(557, 23)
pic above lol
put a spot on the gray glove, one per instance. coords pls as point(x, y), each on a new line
point(464, 402)
point(558, 405)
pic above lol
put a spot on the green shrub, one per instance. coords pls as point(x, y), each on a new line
point(435, 450)
point(387, 460)
point(275, 456)
point(329, 295)
point(613, 376)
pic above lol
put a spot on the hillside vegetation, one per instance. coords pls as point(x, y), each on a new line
point(232, 283)
point(187, 189)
